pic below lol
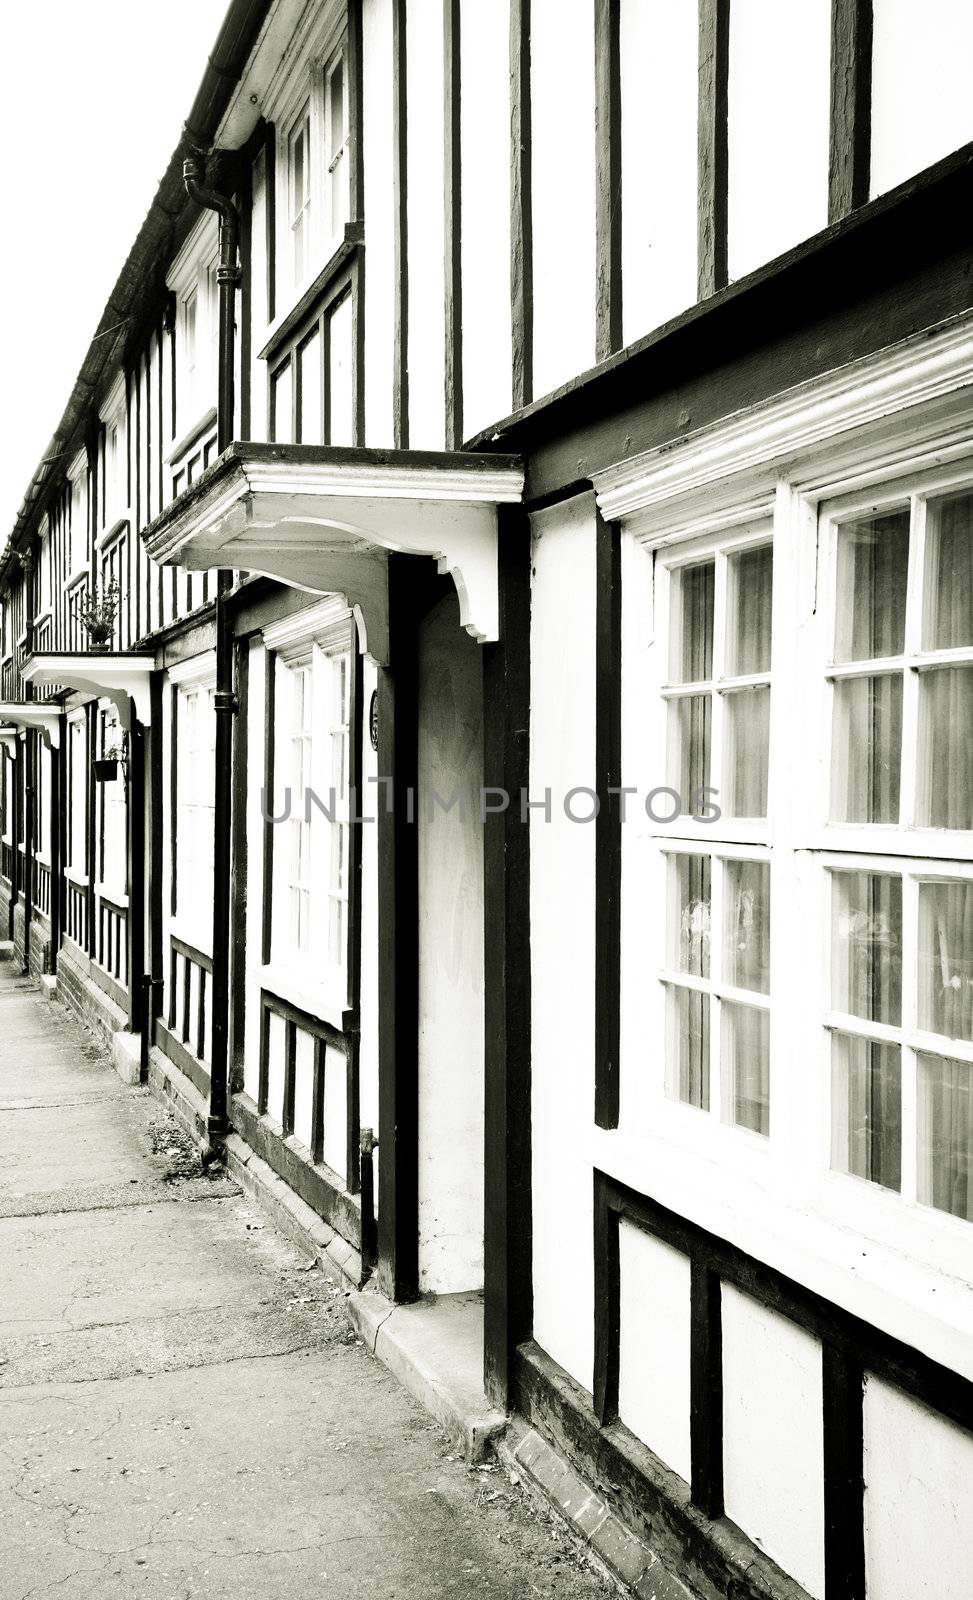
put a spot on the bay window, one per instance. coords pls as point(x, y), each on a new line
point(798, 888)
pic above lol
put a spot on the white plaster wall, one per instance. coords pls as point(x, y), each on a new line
point(485, 207)
point(922, 59)
point(256, 692)
point(379, 256)
point(303, 1087)
point(450, 957)
point(368, 807)
point(258, 301)
point(562, 890)
point(918, 1500)
point(659, 53)
point(772, 1436)
point(276, 1048)
point(334, 1144)
point(563, 189)
point(427, 320)
point(779, 98)
point(653, 1371)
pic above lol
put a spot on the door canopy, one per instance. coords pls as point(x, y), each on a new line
point(324, 519)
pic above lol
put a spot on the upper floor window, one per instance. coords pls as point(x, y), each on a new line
point(313, 152)
point(192, 279)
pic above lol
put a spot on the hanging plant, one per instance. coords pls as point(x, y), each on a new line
point(98, 613)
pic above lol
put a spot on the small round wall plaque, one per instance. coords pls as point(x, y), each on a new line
point(373, 719)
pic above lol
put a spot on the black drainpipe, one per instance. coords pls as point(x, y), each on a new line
point(200, 175)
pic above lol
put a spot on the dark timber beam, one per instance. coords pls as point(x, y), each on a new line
point(608, 826)
point(849, 162)
point(842, 1383)
point(398, 941)
point(608, 179)
point(507, 1239)
point(521, 240)
point(714, 61)
point(400, 230)
point(136, 876)
point(452, 215)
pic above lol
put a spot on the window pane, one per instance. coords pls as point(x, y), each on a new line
point(311, 420)
point(866, 1110)
point(692, 625)
point(746, 1067)
point(747, 924)
point(866, 946)
point(689, 748)
point(751, 590)
point(867, 756)
point(949, 574)
point(747, 752)
point(945, 1135)
point(873, 565)
point(690, 924)
point(687, 1078)
point(946, 959)
point(945, 788)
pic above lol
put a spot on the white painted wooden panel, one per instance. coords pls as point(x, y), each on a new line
point(779, 98)
point(659, 53)
point(918, 1500)
point(922, 63)
point(303, 1088)
point(276, 1049)
point(379, 257)
point(772, 1436)
point(258, 300)
point(485, 245)
point(256, 689)
point(335, 1101)
point(450, 956)
point(427, 321)
point(563, 189)
point(371, 799)
point(562, 887)
point(342, 421)
point(653, 1369)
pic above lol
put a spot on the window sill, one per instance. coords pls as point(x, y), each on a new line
point(283, 326)
point(111, 533)
point(920, 1304)
point(192, 437)
point(315, 999)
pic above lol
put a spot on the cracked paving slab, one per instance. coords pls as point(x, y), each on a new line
point(185, 1411)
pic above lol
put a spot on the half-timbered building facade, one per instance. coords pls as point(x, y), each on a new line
point(486, 713)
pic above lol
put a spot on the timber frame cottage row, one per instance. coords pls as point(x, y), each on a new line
point(572, 401)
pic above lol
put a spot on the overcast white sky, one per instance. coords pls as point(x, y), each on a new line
point(94, 94)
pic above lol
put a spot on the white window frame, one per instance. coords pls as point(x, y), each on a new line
point(192, 279)
point(77, 778)
point(312, 641)
point(113, 416)
point(112, 867)
point(195, 800)
point(304, 87)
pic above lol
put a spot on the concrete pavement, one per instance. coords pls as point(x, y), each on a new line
point(185, 1412)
